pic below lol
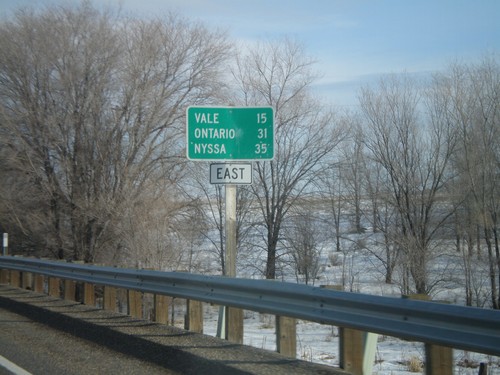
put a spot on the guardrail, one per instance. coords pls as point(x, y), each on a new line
point(467, 328)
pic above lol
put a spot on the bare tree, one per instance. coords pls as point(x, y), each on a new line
point(354, 170)
point(382, 216)
point(332, 192)
point(162, 230)
point(303, 236)
point(470, 99)
point(92, 108)
point(415, 160)
point(278, 74)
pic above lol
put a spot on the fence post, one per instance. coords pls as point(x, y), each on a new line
point(286, 336)
point(194, 316)
point(438, 359)
point(161, 308)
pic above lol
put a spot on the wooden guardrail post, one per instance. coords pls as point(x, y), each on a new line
point(161, 303)
point(357, 350)
point(54, 287)
point(194, 316)
point(27, 280)
point(4, 276)
point(438, 359)
point(69, 290)
point(351, 348)
point(109, 300)
point(15, 278)
point(230, 324)
point(134, 304)
point(39, 283)
point(88, 294)
point(286, 336)
point(234, 324)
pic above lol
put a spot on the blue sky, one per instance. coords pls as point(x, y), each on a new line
point(353, 41)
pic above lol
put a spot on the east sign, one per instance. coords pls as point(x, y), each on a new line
point(231, 173)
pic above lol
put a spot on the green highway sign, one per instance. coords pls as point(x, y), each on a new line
point(230, 133)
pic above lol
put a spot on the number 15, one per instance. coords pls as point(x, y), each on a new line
point(261, 118)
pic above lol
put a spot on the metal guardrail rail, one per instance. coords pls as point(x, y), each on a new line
point(460, 327)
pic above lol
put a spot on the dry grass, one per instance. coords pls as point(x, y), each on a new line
point(415, 364)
